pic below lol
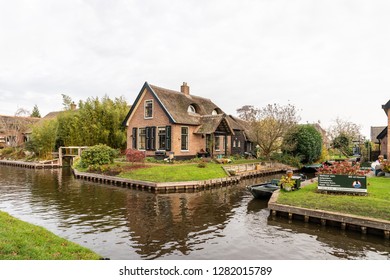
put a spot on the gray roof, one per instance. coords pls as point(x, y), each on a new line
point(375, 131)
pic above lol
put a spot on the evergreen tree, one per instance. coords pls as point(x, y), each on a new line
point(35, 112)
point(304, 141)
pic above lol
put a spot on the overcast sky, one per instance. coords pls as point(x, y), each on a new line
point(329, 58)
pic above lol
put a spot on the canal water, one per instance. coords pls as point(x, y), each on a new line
point(223, 223)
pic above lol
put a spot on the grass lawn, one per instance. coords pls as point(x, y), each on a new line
point(176, 173)
point(22, 241)
point(376, 204)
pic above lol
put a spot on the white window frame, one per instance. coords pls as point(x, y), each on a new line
point(158, 138)
point(188, 138)
point(139, 139)
point(145, 103)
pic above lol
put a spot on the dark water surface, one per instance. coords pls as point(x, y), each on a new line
point(224, 223)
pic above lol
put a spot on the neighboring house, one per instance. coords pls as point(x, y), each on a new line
point(242, 142)
point(165, 122)
point(382, 137)
point(324, 134)
point(14, 131)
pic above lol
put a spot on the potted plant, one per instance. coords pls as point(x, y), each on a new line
point(287, 183)
point(386, 168)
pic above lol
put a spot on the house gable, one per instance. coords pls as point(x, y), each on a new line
point(138, 103)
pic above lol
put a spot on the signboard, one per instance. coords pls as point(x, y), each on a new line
point(343, 183)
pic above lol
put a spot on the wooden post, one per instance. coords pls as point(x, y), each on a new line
point(386, 234)
point(343, 226)
point(60, 156)
point(323, 222)
point(306, 219)
point(364, 230)
point(290, 215)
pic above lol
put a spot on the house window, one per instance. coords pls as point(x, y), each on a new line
point(234, 143)
point(214, 112)
point(162, 138)
point(142, 138)
point(217, 143)
point(148, 109)
point(184, 138)
point(239, 144)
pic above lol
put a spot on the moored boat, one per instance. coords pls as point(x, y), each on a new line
point(263, 190)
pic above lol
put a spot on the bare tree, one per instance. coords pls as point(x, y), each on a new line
point(271, 124)
point(346, 128)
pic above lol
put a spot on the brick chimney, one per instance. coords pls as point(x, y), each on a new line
point(185, 89)
point(73, 106)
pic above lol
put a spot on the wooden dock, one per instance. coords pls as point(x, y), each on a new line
point(344, 221)
point(32, 165)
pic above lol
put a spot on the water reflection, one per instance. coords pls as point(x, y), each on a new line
point(225, 223)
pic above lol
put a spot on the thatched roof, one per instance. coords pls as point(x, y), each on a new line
point(177, 103)
point(8, 123)
point(214, 123)
point(239, 124)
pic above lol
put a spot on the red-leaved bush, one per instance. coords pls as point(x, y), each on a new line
point(342, 168)
point(135, 155)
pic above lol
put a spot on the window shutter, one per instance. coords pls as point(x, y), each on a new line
point(134, 138)
point(168, 137)
point(153, 138)
point(147, 138)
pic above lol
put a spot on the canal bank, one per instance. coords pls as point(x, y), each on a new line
point(20, 240)
point(327, 217)
point(235, 174)
point(130, 224)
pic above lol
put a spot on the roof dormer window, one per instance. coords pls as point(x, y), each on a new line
point(216, 111)
point(191, 109)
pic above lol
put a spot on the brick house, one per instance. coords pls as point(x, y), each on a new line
point(383, 135)
point(163, 122)
point(15, 130)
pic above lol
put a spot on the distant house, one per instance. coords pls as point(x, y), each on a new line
point(163, 122)
point(14, 131)
point(383, 135)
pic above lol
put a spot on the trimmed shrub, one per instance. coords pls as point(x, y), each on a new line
point(135, 155)
point(98, 155)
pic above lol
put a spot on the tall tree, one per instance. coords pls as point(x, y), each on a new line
point(35, 112)
point(247, 113)
point(67, 102)
point(271, 124)
point(43, 138)
point(304, 141)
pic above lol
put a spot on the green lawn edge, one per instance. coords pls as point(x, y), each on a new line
point(376, 204)
point(176, 173)
point(20, 240)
